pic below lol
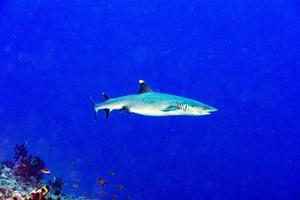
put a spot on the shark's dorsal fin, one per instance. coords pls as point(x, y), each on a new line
point(144, 88)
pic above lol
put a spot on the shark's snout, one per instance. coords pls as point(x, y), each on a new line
point(209, 109)
point(201, 109)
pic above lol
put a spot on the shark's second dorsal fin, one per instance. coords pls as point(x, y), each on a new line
point(106, 97)
point(144, 88)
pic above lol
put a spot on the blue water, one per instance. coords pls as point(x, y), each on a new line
point(242, 57)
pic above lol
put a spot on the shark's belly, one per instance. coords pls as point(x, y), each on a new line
point(150, 110)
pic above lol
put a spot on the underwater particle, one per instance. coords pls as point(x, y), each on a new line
point(7, 48)
point(120, 187)
point(88, 162)
point(112, 174)
point(45, 171)
point(174, 146)
point(75, 186)
point(104, 194)
point(102, 182)
point(113, 196)
point(267, 97)
point(50, 150)
point(2, 109)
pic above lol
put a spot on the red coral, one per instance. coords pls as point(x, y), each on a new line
point(28, 167)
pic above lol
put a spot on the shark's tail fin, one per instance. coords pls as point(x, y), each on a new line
point(107, 111)
point(94, 107)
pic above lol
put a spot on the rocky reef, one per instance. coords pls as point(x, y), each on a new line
point(22, 179)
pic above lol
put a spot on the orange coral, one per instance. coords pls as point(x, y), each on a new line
point(39, 194)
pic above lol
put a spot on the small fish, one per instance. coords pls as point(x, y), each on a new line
point(75, 186)
point(102, 182)
point(120, 187)
point(112, 173)
point(104, 194)
point(45, 171)
point(113, 197)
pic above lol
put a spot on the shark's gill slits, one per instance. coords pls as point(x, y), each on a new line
point(182, 106)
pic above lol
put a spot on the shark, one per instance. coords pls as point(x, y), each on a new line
point(150, 103)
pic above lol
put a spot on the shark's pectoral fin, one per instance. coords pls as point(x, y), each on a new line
point(170, 108)
point(125, 109)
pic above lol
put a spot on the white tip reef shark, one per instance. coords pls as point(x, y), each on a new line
point(150, 103)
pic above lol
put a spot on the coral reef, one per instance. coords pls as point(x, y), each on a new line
point(20, 152)
point(7, 163)
point(56, 185)
point(22, 179)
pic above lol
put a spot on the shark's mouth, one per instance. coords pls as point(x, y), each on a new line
point(209, 111)
point(205, 113)
point(213, 110)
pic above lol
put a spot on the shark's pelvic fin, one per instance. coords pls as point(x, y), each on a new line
point(144, 88)
point(106, 97)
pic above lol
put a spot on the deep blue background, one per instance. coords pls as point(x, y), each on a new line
point(242, 57)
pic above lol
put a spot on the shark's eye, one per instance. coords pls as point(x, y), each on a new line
point(205, 108)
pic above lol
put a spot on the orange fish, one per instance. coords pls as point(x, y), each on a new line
point(45, 171)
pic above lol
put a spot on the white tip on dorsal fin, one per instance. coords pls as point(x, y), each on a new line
point(144, 88)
